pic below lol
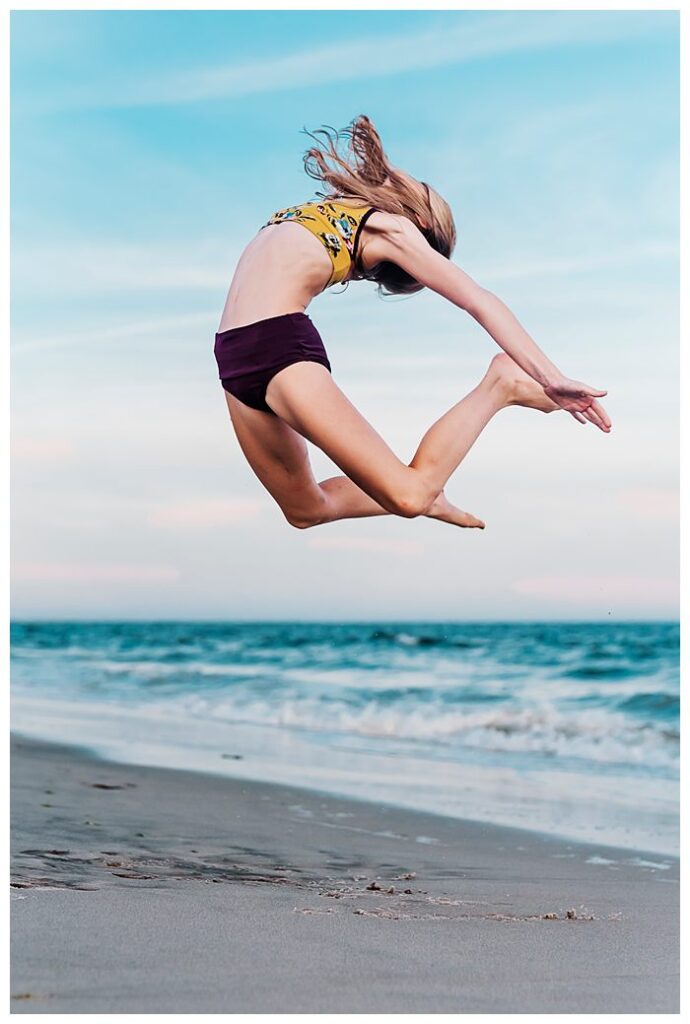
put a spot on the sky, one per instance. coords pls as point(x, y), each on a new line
point(148, 147)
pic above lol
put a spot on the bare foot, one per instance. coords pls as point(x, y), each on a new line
point(518, 386)
point(447, 513)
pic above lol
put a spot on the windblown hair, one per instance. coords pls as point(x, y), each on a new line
point(364, 172)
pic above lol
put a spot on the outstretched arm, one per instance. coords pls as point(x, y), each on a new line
point(406, 246)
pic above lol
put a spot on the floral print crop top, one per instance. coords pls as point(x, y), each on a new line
point(337, 227)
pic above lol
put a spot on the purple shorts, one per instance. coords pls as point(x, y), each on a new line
point(249, 356)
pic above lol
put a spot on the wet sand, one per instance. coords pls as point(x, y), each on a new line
point(149, 890)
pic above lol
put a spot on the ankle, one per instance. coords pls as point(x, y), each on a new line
point(500, 390)
point(439, 504)
point(499, 381)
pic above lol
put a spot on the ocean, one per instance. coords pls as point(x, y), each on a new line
point(568, 728)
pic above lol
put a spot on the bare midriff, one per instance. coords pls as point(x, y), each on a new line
point(280, 271)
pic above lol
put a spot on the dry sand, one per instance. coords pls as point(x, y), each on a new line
point(148, 890)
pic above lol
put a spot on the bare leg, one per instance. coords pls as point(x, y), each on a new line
point(444, 446)
point(348, 501)
point(508, 384)
point(278, 455)
point(305, 396)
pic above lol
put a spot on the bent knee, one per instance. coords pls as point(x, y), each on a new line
point(304, 518)
point(302, 522)
point(413, 503)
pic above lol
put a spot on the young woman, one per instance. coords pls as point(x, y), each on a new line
point(375, 223)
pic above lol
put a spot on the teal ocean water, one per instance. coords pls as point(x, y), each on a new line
point(568, 728)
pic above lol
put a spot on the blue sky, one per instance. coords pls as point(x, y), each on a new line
point(148, 147)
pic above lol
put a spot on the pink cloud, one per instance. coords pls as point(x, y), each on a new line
point(184, 515)
point(652, 503)
point(68, 572)
point(33, 449)
point(610, 590)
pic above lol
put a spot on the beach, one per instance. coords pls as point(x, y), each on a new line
point(146, 889)
point(376, 763)
point(571, 729)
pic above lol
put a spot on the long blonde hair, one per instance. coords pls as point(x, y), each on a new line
point(365, 173)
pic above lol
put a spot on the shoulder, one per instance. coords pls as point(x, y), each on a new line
point(384, 235)
point(389, 223)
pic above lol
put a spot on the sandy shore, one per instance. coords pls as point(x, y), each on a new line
point(149, 890)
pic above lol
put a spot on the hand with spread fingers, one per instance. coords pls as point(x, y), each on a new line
point(580, 401)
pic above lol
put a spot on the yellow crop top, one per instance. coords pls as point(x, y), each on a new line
point(338, 227)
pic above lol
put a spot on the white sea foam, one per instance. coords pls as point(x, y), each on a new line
point(573, 727)
point(593, 735)
point(637, 813)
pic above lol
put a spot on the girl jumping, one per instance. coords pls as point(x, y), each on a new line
point(376, 223)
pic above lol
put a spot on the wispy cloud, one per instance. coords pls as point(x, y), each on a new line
point(67, 572)
point(200, 515)
point(598, 590)
point(100, 266)
point(41, 450)
point(651, 252)
point(651, 504)
point(127, 224)
point(446, 42)
point(147, 328)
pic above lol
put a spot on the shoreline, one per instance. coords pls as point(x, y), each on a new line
point(92, 753)
point(148, 869)
point(595, 809)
